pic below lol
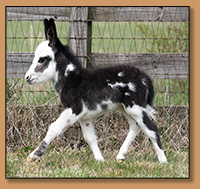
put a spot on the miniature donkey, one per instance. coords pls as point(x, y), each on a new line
point(87, 93)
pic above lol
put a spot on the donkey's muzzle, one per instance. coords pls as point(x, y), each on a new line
point(29, 80)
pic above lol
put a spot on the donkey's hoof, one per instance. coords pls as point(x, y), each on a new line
point(29, 159)
point(120, 160)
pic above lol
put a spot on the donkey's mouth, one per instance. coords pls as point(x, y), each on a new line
point(30, 81)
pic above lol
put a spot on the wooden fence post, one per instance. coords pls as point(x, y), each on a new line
point(80, 33)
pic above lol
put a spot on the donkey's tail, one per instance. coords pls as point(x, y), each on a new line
point(150, 95)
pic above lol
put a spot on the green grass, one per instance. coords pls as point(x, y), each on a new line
point(140, 37)
point(110, 37)
point(25, 36)
point(171, 92)
point(19, 92)
point(167, 92)
point(67, 163)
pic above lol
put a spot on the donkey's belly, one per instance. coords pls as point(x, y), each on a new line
point(103, 107)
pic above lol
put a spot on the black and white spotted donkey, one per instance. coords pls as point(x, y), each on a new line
point(87, 93)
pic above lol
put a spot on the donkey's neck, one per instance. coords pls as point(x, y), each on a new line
point(68, 66)
point(67, 75)
point(57, 83)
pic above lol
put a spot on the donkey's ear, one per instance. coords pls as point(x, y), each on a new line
point(46, 27)
point(50, 31)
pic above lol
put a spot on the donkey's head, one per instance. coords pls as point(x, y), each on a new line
point(43, 67)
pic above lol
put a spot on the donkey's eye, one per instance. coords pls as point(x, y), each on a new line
point(41, 60)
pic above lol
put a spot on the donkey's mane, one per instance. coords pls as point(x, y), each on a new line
point(70, 55)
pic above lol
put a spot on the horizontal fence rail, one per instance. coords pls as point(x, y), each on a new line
point(164, 14)
point(37, 13)
point(157, 65)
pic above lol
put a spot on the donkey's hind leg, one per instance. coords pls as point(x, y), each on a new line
point(134, 129)
point(150, 129)
point(133, 132)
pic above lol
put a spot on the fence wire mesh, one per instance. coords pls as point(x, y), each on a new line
point(155, 39)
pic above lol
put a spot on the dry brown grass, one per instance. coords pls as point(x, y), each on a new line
point(26, 126)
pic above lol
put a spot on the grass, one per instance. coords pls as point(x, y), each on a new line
point(167, 92)
point(110, 37)
point(24, 94)
point(68, 163)
point(140, 37)
point(171, 92)
point(25, 36)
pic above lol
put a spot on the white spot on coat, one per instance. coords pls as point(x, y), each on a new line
point(127, 94)
point(121, 74)
point(144, 81)
point(117, 84)
point(131, 87)
point(70, 68)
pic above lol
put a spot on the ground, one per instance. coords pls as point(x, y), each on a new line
point(68, 163)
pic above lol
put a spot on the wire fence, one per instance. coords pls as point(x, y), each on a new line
point(154, 39)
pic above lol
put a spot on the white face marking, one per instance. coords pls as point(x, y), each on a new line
point(121, 74)
point(49, 73)
point(43, 49)
point(70, 68)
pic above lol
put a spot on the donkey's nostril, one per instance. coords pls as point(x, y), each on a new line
point(29, 79)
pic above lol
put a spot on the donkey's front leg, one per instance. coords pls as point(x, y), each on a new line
point(91, 138)
point(55, 129)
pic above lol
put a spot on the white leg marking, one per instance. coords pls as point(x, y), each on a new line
point(133, 132)
point(160, 153)
point(136, 113)
point(151, 134)
point(32, 156)
point(91, 138)
point(57, 127)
